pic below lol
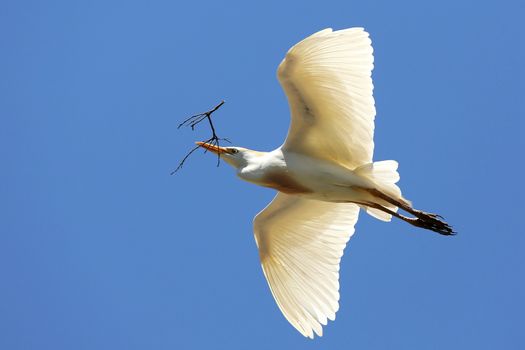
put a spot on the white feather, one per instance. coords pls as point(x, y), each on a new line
point(327, 79)
point(301, 243)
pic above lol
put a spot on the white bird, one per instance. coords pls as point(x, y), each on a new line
point(323, 173)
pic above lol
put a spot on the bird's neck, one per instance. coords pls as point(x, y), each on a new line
point(258, 163)
point(269, 169)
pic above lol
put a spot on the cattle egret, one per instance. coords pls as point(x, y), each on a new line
point(323, 173)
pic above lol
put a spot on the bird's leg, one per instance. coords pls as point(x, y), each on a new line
point(213, 140)
point(401, 204)
point(434, 220)
point(389, 211)
point(424, 220)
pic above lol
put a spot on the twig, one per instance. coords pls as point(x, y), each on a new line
point(197, 118)
point(214, 140)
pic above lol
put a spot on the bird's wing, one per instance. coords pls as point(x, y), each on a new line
point(327, 79)
point(301, 242)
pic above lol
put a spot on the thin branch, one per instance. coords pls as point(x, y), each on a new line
point(197, 118)
point(214, 140)
point(184, 159)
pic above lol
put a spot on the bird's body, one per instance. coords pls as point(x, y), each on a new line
point(302, 175)
point(324, 174)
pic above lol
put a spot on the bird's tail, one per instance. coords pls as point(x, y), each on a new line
point(385, 176)
point(387, 198)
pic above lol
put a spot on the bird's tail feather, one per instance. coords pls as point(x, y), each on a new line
point(388, 198)
point(385, 176)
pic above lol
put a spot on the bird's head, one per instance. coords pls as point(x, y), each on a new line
point(237, 157)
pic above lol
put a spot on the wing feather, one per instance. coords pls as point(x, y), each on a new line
point(301, 243)
point(327, 79)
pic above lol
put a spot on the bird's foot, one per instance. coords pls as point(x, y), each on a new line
point(431, 222)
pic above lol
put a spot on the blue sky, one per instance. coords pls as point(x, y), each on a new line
point(100, 248)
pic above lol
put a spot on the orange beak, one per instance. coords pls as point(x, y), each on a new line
point(212, 148)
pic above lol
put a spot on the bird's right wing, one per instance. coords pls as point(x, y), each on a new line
point(327, 79)
point(301, 243)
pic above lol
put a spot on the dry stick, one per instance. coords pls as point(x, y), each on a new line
point(214, 140)
point(197, 118)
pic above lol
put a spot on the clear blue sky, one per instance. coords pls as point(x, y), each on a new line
point(100, 248)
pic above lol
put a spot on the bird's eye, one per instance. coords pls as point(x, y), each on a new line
point(234, 151)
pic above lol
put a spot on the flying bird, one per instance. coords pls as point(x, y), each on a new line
point(324, 175)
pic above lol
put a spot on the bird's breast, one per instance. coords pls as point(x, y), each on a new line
point(283, 182)
point(275, 177)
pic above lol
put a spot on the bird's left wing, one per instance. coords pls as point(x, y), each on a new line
point(301, 243)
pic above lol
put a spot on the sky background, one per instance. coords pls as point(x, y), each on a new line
point(100, 248)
